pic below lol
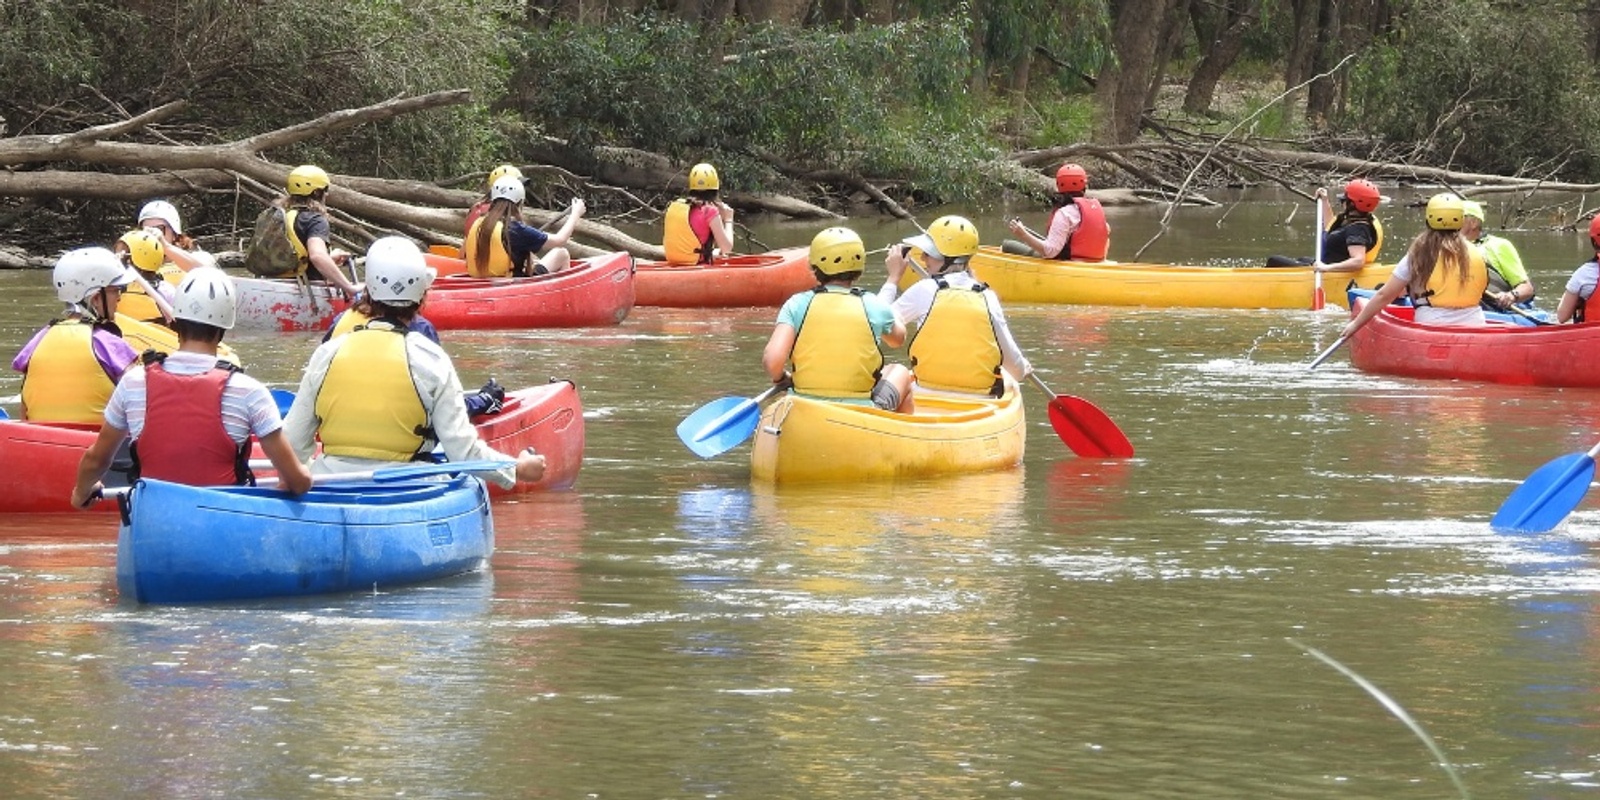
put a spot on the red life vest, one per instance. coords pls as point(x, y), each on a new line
point(184, 440)
point(1092, 240)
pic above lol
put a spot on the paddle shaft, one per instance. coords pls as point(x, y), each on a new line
point(1318, 297)
point(1556, 486)
point(1317, 362)
point(155, 297)
point(1512, 309)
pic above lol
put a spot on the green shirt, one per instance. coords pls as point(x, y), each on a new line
point(1501, 254)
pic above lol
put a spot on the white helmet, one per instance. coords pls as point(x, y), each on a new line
point(82, 272)
point(205, 296)
point(396, 271)
point(162, 210)
point(508, 188)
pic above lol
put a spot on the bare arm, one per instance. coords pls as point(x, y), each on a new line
point(722, 232)
point(317, 253)
point(92, 467)
point(1392, 289)
point(1567, 307)
point(776, 356)
point(293, 477)
point(564, 235)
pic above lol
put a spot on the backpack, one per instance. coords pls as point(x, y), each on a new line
point(271, 254)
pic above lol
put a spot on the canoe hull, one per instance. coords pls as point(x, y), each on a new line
point(749, 281)
point(549, 419)
point(283, 304)
point(1025, 279)
point(1547, 355)
point(805, 441)
point(593, 292)
point(184, 544)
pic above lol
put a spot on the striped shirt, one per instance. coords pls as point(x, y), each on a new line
point(247, 406)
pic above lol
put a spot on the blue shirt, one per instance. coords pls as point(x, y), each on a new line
point(524, 242)
point(879, 314)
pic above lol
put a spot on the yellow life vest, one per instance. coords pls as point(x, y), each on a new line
point(138, 304)
point(171, 273)
point(499, 257)
point(1372, 252)
point(835, 352)
point(64, 381)
point(368, 404)
point(300, 250)
point(348, 322)
point(682, 245)
point(956, 349)
point(1449, 291)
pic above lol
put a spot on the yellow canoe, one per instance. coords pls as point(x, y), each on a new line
point(800, 440)
point(1026, 279)
point(150, 336)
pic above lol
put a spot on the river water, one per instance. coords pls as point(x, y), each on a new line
point(1072, 628)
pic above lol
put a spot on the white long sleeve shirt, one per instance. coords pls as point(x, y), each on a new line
point(913, 307)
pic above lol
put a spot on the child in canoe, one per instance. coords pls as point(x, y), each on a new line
point(698, 227)
point(70, 367)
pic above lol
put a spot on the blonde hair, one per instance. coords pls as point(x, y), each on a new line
point(1432, 249)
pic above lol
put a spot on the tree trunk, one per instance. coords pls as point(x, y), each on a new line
point(1322, 95)
point(1220, 35)
point(1124, 83)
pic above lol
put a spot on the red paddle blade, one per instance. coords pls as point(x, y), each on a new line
point(1319, 298)
point(1087, 430)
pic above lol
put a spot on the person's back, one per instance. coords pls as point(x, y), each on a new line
point(829, 336)
point(71, 366)
point(699, 227)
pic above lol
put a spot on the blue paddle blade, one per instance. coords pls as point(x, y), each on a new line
point(719, 426)
point(284, 398)
point(1547, 496)
point(4, 415)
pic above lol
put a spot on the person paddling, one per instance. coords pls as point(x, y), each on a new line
point(1580, 287)
point(383, 393)
point(488, 400)
point(1353, 238)
point(501, 245)
point(1078, 230)
point(71, 366)
point(192, 415)
point(962, 341)
point(1442, 272)
point(699, 227)
point(306, 225)
point(1509, 284)
point(828, 339)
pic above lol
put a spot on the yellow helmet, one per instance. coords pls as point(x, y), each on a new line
point(304, 180)
point(1445, 212)
point(703, 177)
point(144, 248)
point(502, 171)
point(836, 251)
point(953, 237)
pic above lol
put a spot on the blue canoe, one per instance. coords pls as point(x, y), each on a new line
point(188, 544)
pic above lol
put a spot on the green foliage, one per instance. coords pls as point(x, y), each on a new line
point(1062, 121)
point(1469, 91)
point(249, 67)
point(876, 100)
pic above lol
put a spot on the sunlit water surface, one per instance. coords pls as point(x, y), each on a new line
point(1071, 628)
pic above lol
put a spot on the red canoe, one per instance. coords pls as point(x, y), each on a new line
point(593, 291)
point(767, 279)
point(548, 418)
point(1546, 355)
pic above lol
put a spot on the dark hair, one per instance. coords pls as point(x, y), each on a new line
point(823, 277)
point(189, 330)
point(404, 312)
point(703, 195)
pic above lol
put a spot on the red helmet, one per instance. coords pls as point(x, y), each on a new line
point(1594, 232)
point(1362, 195)
point(1071, 178)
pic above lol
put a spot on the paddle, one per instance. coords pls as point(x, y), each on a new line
point(1513, 309)
point(1548, 495)
point(4, 415)
point(1317, 362)
point(155, 297)
point(285, 399)
point(1083, 426)
point(404, 472)
point(721, 425)
point(1318, 299)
